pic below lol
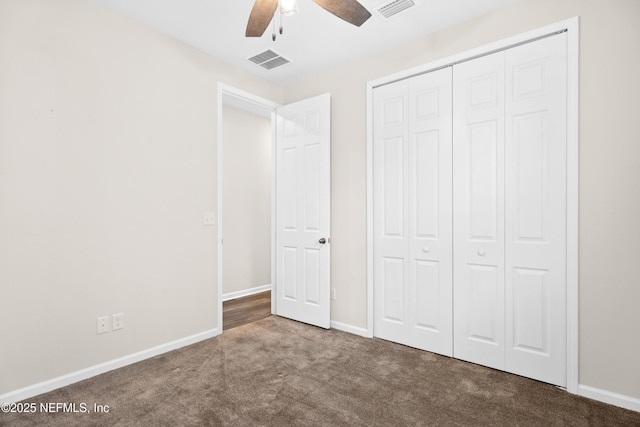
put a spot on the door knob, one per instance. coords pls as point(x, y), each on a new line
point(482, 253)
point(322, 241)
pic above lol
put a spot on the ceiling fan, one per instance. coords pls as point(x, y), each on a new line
point(264, 10)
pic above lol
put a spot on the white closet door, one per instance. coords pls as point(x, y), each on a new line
point(535, 202)
point(486, 280)
point(478, 218)
point(412, 212)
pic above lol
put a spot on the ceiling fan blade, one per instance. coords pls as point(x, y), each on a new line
point(349, 10)
point(260, 17)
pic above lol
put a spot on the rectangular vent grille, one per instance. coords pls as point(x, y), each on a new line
point(269, 60)
point(395, 7)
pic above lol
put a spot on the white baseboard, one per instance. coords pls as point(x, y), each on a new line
point(83, 374)
point(349, 328)
point(609, 397)
point(246, 292)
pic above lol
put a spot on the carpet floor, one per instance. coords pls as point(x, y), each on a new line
point(277, 372)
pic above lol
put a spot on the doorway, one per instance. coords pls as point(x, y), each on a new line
point(245, 199)
point(300, 204)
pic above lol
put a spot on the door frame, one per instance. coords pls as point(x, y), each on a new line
point(571, 26)
point(234, 97)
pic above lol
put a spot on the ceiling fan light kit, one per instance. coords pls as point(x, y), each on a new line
point(263, 12)
point(288, 7)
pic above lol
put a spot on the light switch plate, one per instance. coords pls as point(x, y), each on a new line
point(209, 218)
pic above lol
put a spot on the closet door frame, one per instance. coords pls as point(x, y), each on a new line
point(571, 26)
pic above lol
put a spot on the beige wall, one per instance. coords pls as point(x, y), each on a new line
point(609, 153)
point(246, 200)
point(107, 162)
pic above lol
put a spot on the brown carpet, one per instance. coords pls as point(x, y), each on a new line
point(276, 372)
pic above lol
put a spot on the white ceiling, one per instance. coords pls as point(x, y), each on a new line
point(313, 39)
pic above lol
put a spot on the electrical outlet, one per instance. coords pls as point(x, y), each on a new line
point(102, 325)
point(118, 321)
point(333, 294)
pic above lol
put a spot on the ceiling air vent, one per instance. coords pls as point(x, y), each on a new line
point(269, 60)
point(393, 8)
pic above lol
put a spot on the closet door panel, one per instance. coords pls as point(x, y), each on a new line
point(412, 212)
point(535, 206)
point(478, 214)
point(391, 262)
point(429, 209)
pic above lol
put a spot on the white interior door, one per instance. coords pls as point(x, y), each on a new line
point(412, 212)
point(478, 210)
point(303, 132)
point(535, 203)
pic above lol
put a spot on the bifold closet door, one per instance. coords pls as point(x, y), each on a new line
point(470, 210)
point(412, 212)
point(510, 210)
